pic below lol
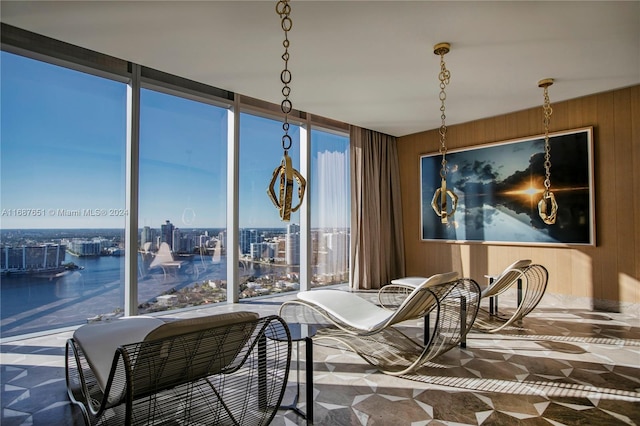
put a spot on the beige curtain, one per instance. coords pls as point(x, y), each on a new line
point(377, 243)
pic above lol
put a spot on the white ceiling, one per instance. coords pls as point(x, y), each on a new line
point(368, 63)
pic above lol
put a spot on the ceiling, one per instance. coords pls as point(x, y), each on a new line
point(368, 63)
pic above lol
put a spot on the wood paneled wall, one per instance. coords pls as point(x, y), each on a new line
point(609, 273)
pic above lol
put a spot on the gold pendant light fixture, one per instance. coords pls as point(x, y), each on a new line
point(547, 206)
point(439, 202)
point(285, 171)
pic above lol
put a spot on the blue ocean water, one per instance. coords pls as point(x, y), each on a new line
point(35, 303)
point(30, 303)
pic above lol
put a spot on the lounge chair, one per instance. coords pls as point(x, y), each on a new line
point(222, 369)
point(374, 332)
point(530, 282)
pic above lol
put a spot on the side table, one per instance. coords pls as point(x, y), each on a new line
point(303, 333)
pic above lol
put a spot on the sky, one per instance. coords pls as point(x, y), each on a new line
point(63, 145)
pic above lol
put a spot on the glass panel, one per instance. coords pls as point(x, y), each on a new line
point(330, 208)
point(269, 248)
point(62, 196)
point(182, 203)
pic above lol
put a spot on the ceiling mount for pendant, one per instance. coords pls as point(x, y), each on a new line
point(441, 48)
point(546, 82)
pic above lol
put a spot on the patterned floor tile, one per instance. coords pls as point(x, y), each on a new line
point(558, 367)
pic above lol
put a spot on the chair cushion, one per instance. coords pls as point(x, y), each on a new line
point(505, 278)
point(518, 264)
point(348, 308)
point(428, 282)
point(176, 326)
point(99, 341)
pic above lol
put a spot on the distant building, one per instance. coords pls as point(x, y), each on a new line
point(27, 259)
point(146, 236)
point(263, 250)
point(176, 238)
point(222, 237)
point(337, 252)
point(248, 237)
point(166, 233)
point(292, 245)
point(86, 248)
point(203, 240)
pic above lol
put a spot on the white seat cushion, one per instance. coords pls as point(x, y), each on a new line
point(428, 282)
point(348, 308)
point(409, 281)
point(99, 341)
point(505, 278)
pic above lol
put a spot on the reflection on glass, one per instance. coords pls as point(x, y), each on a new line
point(269, 248)
point(330, 212)
point(182, 203)
point(62, 196)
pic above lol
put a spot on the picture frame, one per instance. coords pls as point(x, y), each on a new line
point(499, 185)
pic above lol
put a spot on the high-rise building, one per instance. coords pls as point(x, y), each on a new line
point(292, 245)
point(176, 238)
point(337, 252)
point(203, 240)
point(247, 237)
point(263, 250)
point(81, 247)
point(222, 237)
point(146, 236)
point(166, 233)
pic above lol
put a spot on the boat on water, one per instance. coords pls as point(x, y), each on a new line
point(53, 276)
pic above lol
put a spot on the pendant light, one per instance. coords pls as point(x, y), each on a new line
point(547, 206)
point(285, 171)
point(439, 202)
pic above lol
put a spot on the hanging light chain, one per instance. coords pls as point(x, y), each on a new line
point(547, 206)
point(546, 107)
point(283, 8)
point(444, 77)
point(285, 173)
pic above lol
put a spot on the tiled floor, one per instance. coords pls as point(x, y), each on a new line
point(565, 366)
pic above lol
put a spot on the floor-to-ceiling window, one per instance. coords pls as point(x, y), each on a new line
point(330, 208)
point(62, 195)
point(182, 202)
point(269, 248)
point(64, 186)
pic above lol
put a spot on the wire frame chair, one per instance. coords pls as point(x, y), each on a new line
point(228, 374)
point(529, 282)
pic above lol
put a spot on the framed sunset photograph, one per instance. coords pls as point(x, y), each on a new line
point(499, 185)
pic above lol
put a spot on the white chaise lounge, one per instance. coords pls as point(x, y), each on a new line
point(374, 331)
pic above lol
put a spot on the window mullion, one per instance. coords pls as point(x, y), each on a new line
point(305, 210)
point(233, 196)
point(131, 191)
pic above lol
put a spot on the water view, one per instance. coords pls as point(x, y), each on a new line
point(95, 290)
